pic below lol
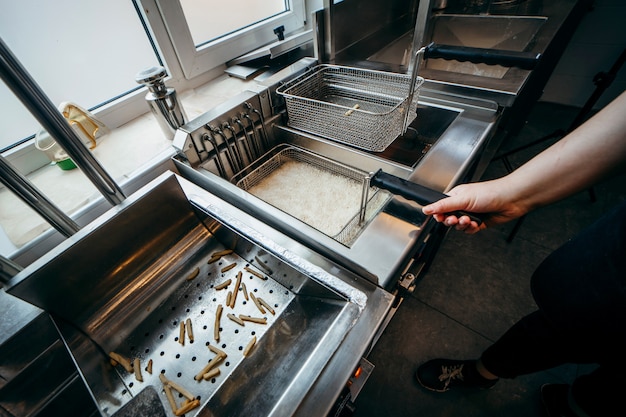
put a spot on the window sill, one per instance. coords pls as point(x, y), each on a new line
point(126, 150)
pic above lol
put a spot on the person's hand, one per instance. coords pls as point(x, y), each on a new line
point(484, 199)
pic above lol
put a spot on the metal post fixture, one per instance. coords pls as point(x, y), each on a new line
point(329, 40)
point(423, 13)
point(163, 101)
point(35, 100)
point(24, 189)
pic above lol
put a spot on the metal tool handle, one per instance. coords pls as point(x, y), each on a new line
point(523, 60)
point(412, 191)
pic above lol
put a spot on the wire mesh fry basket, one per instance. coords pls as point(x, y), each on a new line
point(305, 196)
point(359, 107)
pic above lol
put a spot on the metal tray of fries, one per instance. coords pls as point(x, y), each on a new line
point(359, 107)
point(219, 322)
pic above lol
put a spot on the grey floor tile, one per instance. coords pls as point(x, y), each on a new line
point(482, 281)
point(419, 333)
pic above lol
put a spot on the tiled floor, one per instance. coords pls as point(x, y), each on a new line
point(476, 288)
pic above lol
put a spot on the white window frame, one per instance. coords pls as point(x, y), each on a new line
point(194, 62)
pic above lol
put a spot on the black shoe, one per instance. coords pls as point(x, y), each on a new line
point(442, 374)
point(555, 399)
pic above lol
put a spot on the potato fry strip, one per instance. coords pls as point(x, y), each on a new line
point(259, 320)
point(245, 291)
point(187, 407)
point(193, 274)
point(229, 267)
point(149, 367)
point(217, 351)
point(176, 386)
point(211, 374)
point(235, 319)
point(223, 252)
point(257, 304)
point(223, 284)
point(229, 296)
point(181, 333)
point(213, 259)
point(267, 306)
point(236, 290)
point(349, 112)
point(122, 361)
point(170, 397)
point(137, 369)
point(216, 327)
point(215, 361)
point(249, 347)
point(256, 274)
point(190, 329)
point(262, 265)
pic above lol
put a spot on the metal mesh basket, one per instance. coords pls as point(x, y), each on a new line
point(347, 232)
point(323, 101)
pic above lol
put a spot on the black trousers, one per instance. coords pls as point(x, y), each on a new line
point(580, 291)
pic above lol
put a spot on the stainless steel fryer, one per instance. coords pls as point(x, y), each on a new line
point(127, 289)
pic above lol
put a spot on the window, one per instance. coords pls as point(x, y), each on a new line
point(196, 40)
point(89, 52)
point(72, 54)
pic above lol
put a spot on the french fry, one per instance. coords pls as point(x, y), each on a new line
point(235, 319)
point(228, 267)
point(122, 361)
point(181, 333)
point(215, 361)
point(170, 397)
point(193, 274)
point(190, 329)
point(257, 304)
point(187, 407)
point(211, 374)
point(229, 296)
point(267, 306)
point(259, 320)
point(249, 347)
point(217, 351)
point(216, 327)
point(213, 259)
point(262, 265)
point(236, 290)
point(349, 112)
point(176, 386)
point(223, 252)
point(256, 274)
point(245, 291)
point(137, 369)
point(149, 367)
point(223, 284)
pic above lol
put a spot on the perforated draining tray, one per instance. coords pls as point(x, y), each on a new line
point(151, 271)
point(157, 338)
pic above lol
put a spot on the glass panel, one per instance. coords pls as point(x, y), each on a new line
point(70, 49)
point(212, 19)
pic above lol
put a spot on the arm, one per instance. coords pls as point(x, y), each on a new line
point(594, 151)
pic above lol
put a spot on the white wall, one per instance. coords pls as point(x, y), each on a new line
point(597, 43)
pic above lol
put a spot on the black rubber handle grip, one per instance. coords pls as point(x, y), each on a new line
point(523, 60)
point(412, 191)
